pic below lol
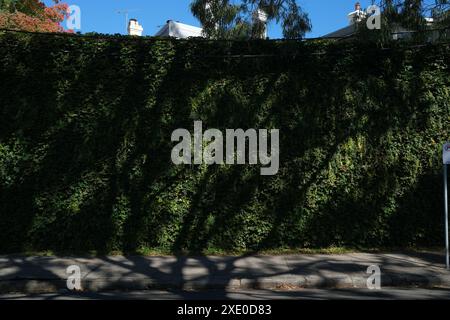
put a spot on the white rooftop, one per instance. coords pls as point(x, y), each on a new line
point(179, 30)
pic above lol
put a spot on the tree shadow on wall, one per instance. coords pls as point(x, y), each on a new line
point(92, 142)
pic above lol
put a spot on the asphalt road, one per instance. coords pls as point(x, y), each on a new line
point(307, 294)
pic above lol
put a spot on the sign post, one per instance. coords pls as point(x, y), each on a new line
point(446, 161)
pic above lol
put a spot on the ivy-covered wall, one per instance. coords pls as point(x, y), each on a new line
point(85, 143)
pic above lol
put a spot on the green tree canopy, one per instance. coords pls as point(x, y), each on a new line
point(237, 19)
point(409, 15)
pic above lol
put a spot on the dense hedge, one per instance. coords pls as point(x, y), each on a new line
point(86, 122)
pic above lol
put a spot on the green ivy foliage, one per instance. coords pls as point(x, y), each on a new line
point(86, 122)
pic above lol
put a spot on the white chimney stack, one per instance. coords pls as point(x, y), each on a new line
point(134, 28)
point(357, 15)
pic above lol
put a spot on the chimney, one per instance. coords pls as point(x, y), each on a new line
point(357, 15)
point(134, 28)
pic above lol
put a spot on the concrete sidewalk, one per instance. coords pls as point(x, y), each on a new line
point(48, 274)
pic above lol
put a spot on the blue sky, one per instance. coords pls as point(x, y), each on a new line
point(101, 15)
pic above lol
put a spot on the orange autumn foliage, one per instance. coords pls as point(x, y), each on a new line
point(35, 17)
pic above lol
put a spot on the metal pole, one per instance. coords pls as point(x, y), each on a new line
point(446, 218)
point(125, 13)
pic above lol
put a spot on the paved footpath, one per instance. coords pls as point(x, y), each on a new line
point(288, 272)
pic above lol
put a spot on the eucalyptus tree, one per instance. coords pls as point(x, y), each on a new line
point(441, 15)
point(410, 16)
point(249, 18)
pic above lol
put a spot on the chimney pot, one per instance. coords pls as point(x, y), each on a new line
point(134, 28)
